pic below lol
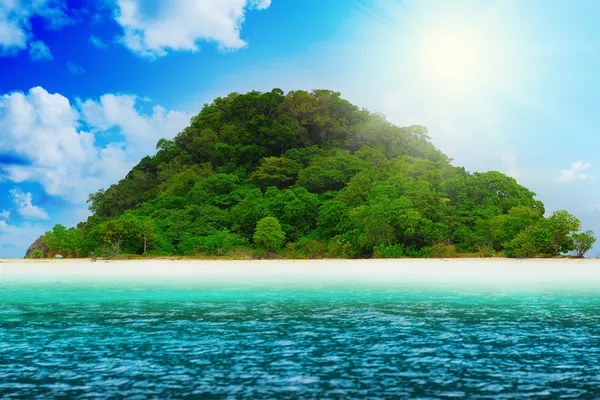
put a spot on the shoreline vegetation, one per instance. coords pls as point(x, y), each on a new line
point(261, 256)
point(308, 175)
point(199, 259)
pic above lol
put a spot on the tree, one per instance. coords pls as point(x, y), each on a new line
point(63, 241)
point(113, 233)
point(332, 219)
point(330, 173)
point(145, 227)
point(561, 225)
point(56, 239)
point(528, 243)
point(37, 253)
point(503, 228)
point(320, 168)
point(583, 242)
point(268, 233)
point(128, 233)
point(276, 171)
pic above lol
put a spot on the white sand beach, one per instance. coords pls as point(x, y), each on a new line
point(528, 272)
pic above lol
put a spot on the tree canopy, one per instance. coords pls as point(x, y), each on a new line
point(309, 173)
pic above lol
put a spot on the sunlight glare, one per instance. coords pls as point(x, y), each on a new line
point(451, 58)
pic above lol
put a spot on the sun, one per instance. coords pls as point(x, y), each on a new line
point(451, 58)
point(454, 54)
point(458, 60)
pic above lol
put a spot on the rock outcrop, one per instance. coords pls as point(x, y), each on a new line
point(37, 245)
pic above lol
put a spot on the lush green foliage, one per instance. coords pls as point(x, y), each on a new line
point(63, 241)
point(583, 242)
point(37, 253)
point(268, 233)
point(311, 175)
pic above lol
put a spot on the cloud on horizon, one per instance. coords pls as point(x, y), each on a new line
point(58, 139)
point(15, 239)
point(577, 172)
point(56, 143)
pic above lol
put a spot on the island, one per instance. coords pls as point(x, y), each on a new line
point(307, 175)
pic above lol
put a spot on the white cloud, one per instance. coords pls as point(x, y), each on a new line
point(182, 23)
point(142, 132)
point(5, 214)
point(15, 25)
point(575, 173)
point(260, 4)
point(64, 158)
point(25, 207)
point(39, 51)
point(97, 42)
point(13, 239)
point(75, 69)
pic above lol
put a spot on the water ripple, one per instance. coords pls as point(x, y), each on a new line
point(294, 344)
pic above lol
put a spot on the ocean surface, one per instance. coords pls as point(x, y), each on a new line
point(192, 340)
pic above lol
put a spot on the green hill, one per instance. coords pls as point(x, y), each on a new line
point(310, 175)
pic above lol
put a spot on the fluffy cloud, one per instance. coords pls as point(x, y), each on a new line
point(15, 25)
point(47, 130)
point(39, 51)
point(5, 214)
point(140, 131)
point(25, 207)
point(151, 29)
point(577, 172)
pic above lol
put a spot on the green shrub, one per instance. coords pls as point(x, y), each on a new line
point(522, 246)
point(37, 253)
point(442, 250)
point(391, 251)
point(338, 249)
point(221, 243)
point(189, 246)
point(419, 253)
point(241, 254)
point(217, 244)
point(269, 234)
point(486, 251)
point(306, 248)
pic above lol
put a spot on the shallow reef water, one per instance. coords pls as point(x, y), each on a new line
point(167, 340)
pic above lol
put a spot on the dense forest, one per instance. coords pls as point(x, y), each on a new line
point(310, 175)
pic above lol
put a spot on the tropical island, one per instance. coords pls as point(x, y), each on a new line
point(310, 175)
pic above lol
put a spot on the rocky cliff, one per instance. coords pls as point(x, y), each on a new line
point(37, 245)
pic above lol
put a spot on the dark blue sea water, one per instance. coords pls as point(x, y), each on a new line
point(193, 341)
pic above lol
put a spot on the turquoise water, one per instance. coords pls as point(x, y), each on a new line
point(180, 340)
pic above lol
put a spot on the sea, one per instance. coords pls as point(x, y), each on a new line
point(205, 339)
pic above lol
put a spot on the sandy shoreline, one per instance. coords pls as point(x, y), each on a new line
point(413, 271)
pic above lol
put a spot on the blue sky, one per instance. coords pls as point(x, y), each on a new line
point(88, 87)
